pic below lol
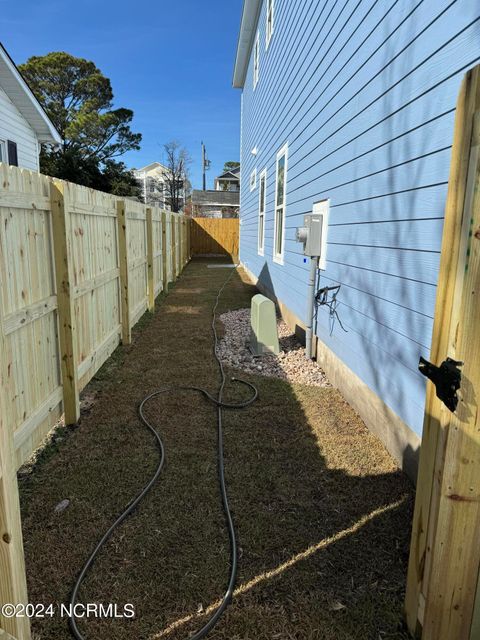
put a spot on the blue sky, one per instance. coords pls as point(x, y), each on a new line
point(171, 62)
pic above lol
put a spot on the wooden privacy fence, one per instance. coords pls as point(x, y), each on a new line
point(443, 594)
point(215, 236)
point(78, 268)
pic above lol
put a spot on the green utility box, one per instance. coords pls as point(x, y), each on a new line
point(263, 320)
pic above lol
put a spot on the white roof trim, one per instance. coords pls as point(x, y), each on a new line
point(151, 166)
point(250, 14)
point(226, 176)
point(18, 91)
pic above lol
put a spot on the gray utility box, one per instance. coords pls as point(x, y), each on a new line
point(263, 320)
point(311, 234)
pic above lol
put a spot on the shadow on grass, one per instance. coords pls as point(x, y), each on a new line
point(322, 512)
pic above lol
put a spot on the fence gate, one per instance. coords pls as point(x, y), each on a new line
point(215, 236)
point(443, 599)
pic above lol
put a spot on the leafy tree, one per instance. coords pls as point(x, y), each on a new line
point(119, 180)
point(113, 177)
point(230, 166)
point(78, 99)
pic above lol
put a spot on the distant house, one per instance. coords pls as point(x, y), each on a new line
point(151, 179)
point(349, 108)
point(215, 204)
point(228, 181)
point(221, 202)
point(154, 186)
point(24, 125)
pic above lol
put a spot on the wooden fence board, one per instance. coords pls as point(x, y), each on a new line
point(173, 231)
point(28, 299)
point(17, 289)
point(124, 272)
point(157, 249)
point(137, 259)
point(150, 274)
point(165, 259)
point(65, 277)
point(214, 236)
point(96, 271)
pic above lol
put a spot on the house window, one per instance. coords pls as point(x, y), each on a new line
point(253, 179)
point(3, 151)
point(256, 61)
point(280, 204)
point(12, 153)
point(261, 211)
point(269, 28)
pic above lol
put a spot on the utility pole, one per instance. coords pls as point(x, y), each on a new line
point(205, 166)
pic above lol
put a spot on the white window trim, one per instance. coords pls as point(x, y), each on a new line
point(268, 36)
point(256, 61)
point(254, 175)
point(278, 257)
point(263, 176)
point(3, 148)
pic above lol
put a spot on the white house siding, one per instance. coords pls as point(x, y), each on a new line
point(364, 94)
point(13, 126)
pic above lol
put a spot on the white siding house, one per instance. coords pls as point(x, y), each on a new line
point(349, 107)
point(228, 181)
point(152, 179)
point(24, 125)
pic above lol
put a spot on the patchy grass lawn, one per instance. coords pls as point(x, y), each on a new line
point(322, 512)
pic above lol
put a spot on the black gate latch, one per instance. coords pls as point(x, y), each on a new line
point(446, 379)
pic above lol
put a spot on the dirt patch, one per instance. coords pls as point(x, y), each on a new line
point(322, 512)
point(290, 364)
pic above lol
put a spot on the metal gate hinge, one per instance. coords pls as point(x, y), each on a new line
point(446, 378)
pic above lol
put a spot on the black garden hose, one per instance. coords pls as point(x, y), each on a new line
point(220, 404)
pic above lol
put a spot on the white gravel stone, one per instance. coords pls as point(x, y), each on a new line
point(290, 364)
point(61, 506)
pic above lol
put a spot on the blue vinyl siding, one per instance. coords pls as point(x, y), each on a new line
point(364, 94)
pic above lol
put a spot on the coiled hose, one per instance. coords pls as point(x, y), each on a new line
point(220, 404)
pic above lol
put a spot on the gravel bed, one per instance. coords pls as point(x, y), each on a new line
point(290, 364)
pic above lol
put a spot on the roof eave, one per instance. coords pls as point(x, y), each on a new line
point(228, 175)
point(52, 138)
point(47, 133)
point(248, 25)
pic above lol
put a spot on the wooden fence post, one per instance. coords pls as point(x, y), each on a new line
point(13, 585)
point(150, 259)
point(164, 253)
point(64, 275)
point(173, 220)
point(185, 230)
point(190, 225)
point(184, 242)
point(123, 264)
point(180, 245)
point(445, 553)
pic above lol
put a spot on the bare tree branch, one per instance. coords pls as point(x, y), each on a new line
point(175, 174)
